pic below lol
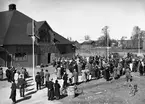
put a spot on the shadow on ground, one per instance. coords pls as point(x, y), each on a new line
point(31, 93)
point(25, 98)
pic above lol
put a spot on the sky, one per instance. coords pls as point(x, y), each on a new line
point(77, 18)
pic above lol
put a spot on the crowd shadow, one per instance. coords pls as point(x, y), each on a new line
point(63, 96)
point(28, 85)
point(4, 79)
point(24, 98)
point(30, 93)
point(29, 79)
point(29, 89)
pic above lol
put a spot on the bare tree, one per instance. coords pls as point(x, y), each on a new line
point(105, 31)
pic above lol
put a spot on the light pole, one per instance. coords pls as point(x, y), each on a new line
point(31, 33)
point(139, 43)
point(33, 49)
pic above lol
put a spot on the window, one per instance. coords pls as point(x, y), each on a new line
point(20, 57)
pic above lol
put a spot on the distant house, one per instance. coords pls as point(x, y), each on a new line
point(16, 45)
point(87, 44)
point(76, 44)
point(132, 44)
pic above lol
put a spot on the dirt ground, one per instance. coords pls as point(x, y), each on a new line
point(114, 92)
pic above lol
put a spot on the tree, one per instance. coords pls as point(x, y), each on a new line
point(105, 40)
point(87, 37)
point(114, 42)
point(136, 33)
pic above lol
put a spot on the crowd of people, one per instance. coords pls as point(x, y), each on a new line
point(95, 67)
point(70, 70)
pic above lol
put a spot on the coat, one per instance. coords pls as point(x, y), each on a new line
point(84, 75)
point(38, 78)
point(50, 86)
point(58, 72)
point(13, 91)
point(115, 72)
point(1, 74)
point(21, 83)
point(47, 75)
point(16, 77)
point(57, 89)
point(75, 74)
point(79, 68)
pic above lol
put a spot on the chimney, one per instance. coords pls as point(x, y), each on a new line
point(12, 7)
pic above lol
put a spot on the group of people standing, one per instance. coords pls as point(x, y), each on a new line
point(43, 79)
point(17, 77)
point(96, 67)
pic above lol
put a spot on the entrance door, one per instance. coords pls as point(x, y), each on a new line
point(49, 57)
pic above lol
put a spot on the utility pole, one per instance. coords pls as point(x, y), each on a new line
point(33, 49)
point(139, 43)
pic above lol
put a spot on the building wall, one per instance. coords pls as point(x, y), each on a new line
point(27, 60)
point(84, 46)
point(67, 55)
point(26, 63)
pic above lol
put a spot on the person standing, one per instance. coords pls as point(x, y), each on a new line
point(21, 84)
point(47, 75)
point(42, 77)
point(58, 72)
point(79, 68)
point(107, 73)
point(128, 74)
point(8, 74)
point(38, 81)
point(13, 92)
point(16, 76)
point(50, 86)
point(75, 75)
point(65, 78)
point(57, 89)
point(115, 72)
point(1, 73)
point(70, 78)
point(84, 76)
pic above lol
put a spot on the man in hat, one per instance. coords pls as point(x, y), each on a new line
point(38, 81)
point(50, 86)
point(21, 83)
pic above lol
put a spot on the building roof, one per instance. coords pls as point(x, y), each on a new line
point(13, 28)
point(60, 39)
point(90, 42)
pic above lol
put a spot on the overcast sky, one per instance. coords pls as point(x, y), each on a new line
point(77, 18)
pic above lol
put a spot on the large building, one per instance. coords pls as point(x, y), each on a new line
point(16, 44)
